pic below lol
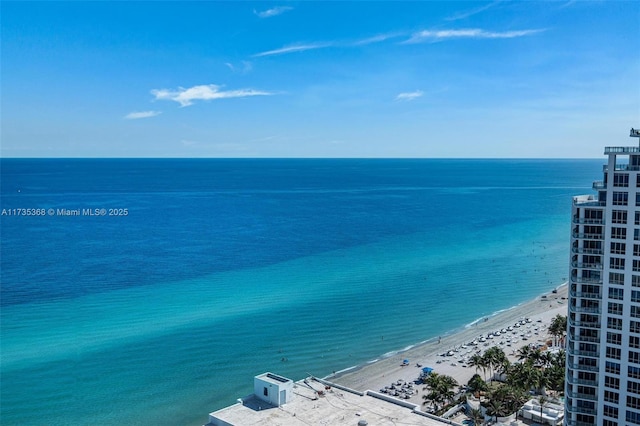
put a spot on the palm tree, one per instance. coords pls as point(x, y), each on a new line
point(511, 398)
point(523, 376)
point(434, 397)
point(487, 358)
point(531, 355)
point(546, 359)
point(431, 381)
point(495, 358)
point(476, 417)
point(555, 378)
point(447, 386)
point(524, 353)
point(503, 367)
point(536, 357)
point(496, 408)
point(558, 328)
point(479, 363)
point(558, 359)
point(542, 400)
point(515, 398)
point(555, 372)
point(477, 384)
point(541, 382)
point(440, 388)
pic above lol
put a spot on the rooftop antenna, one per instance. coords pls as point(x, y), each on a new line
point(635, 133)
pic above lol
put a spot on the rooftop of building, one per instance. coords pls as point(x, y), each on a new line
point(635, 133)
point(273, 378)
point(318, 402)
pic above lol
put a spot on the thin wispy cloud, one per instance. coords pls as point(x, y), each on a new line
point(377, 39)
point(136, 115)
point(245, 67)
point(275, 11)
point(474, 33)
point(292, 49)
point(569, 3)
point(419, 37)
point(468, 13)
point(301, 47)
point(186, 97)
point(409, 96)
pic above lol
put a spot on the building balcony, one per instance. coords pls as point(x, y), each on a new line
point(585, 221)
point(586, 396)
point(582, 410)
point(585, 295)
point(592, 354)
point(584, 310)
point(599, 185)
point(584, 250)
point(574, 381)
point(621, 150)
point(575, 422)
point(588, 339)
point(588, 200)
point(626, 168)
point(585, 324)
point(586, 265)
point(587, 236)
point(583, 280)
point(580, 367)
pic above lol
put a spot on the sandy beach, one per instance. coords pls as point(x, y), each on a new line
point(539, 313)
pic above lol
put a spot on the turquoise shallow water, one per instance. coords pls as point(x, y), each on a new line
point(147, 320)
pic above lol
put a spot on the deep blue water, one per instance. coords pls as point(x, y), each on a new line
point(222, 267)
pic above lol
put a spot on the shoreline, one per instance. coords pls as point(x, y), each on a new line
point(379, 373)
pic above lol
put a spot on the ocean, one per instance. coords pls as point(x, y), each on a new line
point(151, 291)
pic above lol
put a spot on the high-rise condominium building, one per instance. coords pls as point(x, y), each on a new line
point(603, 336)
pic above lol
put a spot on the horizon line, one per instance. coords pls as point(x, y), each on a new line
point(301, 158)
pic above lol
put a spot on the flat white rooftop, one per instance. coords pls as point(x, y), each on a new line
point(314, 404)
point(273, 378)
point(552, 414)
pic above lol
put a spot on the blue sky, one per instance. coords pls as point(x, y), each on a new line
point(319, 79)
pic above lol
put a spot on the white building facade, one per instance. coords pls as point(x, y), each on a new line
point(603, 337)
point(272, 388)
